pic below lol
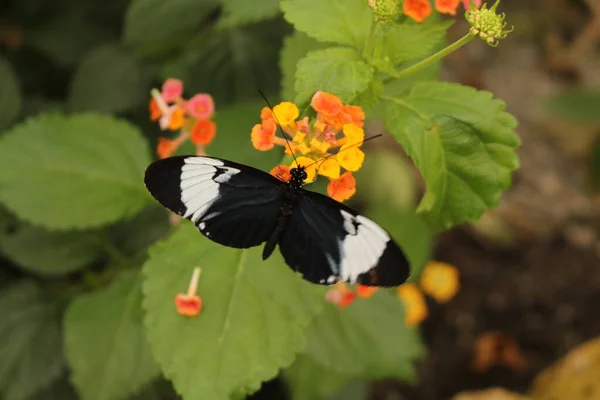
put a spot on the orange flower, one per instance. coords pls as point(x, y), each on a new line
point(165, 147)
point(340, 295)
point(353, 115)
point(173, 119)
point(440, 281)
point(190, 304)
point(263, 135)
point(266, 113)
point(281, 171)
point(342, 188)
point(326, 104)
point(203, 132)
point(447, 6)
point(366, 291)
point(154, 109)
point(417, 9)
point(415, 308)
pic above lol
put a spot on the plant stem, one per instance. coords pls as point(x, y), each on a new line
point(435, 57)
point(368, 48)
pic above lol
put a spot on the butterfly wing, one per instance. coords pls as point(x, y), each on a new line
point(232, 204)
point(328, 242)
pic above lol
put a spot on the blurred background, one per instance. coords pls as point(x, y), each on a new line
point(529, 282)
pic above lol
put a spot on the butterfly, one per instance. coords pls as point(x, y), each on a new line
point(240, 206)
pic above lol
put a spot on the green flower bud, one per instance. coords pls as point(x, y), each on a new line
point(385, 11)
point(488, 25)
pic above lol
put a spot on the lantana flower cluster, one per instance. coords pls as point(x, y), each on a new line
point(438, 280)
point(419, 10)
point(326, 146)
point(191, 117)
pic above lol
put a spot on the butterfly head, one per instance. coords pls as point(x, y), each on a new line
point(298, 176)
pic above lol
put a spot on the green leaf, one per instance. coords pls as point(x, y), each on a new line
point(337, 21)
point(370, 97)
point(233, 142)
point(231, 64)
point(336, 70)
point(308, 380)
point(144, 229)
point(105, 341)
point(73, 172)
point(409, 41)
point(50, 253)
point(463, 143)
point(148, 22)
point(580, 105)
point(410, 232)
point(369, 338)
point(10, 94)
point(294, 48)
point(252, 324)
point(31, 355)
point(240, 12)
point(108, 80)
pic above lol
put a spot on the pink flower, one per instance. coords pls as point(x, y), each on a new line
point(172, 89)
point(200, 106)
point(467, 3)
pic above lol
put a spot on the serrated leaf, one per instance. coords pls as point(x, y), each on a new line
point(10, 94)
point(336, 70)
point(294, 48)
point(73, 172)
point(407, 228)
point(31, 355)
point(148, 22)
point(580, 105)
point(370, 97)
point(50, 253)
point(240, 12)
point(337, 21)
point(252, 323)
point(308, 380)
point(108, 80)
point(231, 64)
point(105, 341)
point(463, 143)
point(409, 41)
point(369, 338)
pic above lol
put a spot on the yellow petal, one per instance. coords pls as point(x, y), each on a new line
point(354, 134)
point(440, 281)
point(318, 146)
point(311, 167)
point(286, 113)
point(350, 157)
point(415, 307)
point(329, 168)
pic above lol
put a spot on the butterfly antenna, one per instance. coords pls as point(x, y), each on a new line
point(279, 125)
point(321, 160)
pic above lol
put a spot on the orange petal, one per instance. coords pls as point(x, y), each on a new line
point(447, 6)
point(366, 291)
point(354, 115)
point(440, 281)
point(203, 132)
point(417, 9)
point(415, 307)
point(154, 109)
point(326, 104)
point(342, 188)
point(188, 306)
point(262, 140)
point(165, 147)
point(281, 171)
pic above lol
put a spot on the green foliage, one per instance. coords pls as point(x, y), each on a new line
point(49, 253)
point(10, 94)
point(294, 48)
point(335, 70)
point(105, 341)
point(463, 143)
point(109, 79)
point(580, 105)
point(73, 172)
point(336, 339)
point(338, 21)
point(252, 324)
point(239, 12)
point(31, 355)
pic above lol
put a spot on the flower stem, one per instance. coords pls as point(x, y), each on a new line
point(435, 57)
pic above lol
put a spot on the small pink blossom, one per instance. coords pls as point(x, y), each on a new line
point(200, 106)
point(467, 3)
point(172, 89)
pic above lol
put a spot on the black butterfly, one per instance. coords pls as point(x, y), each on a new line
point(240, 206)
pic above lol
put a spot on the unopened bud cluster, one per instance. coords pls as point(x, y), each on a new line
point(488, 25)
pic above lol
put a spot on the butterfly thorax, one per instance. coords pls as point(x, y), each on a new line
point(298, 175)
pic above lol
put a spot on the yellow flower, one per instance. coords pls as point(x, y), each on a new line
point(350, 157)
point(415, 308)
point(329, 168)
point(354, 134)
point(311, 169)
point(318, 146)
point(286, 113)
point(440, 281)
